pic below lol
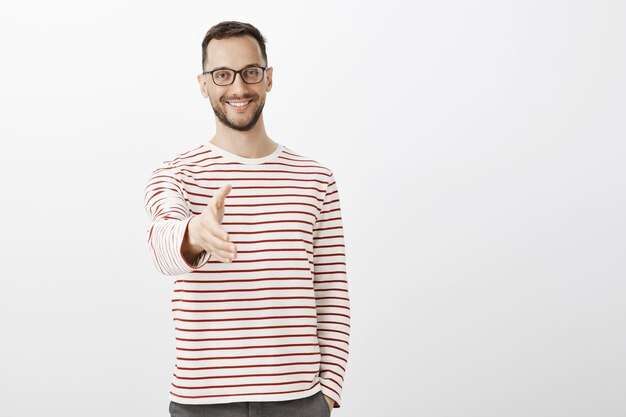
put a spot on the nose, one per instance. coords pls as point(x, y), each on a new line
point(238, 84)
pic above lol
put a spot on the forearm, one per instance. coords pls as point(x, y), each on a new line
point(170, 217)
point(165, 239)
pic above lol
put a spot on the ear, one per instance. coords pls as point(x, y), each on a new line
point(270, 71)
point(204, 88)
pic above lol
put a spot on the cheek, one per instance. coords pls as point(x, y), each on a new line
point(213, 94)
point(215, 98)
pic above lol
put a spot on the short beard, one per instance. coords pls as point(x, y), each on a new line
point(255, 118)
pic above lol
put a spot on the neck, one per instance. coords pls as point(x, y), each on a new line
point(253, 143)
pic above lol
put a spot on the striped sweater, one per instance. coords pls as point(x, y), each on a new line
point(273, 324)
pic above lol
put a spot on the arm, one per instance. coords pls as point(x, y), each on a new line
point(169, 216)
point(331, 293)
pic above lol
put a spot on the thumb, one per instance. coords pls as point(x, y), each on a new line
point(220, 196)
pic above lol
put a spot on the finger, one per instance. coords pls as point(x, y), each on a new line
point(216, 231)
point(220, 195)
point(223, 250)
point(225, 246)
point(214, 238)
point(221, 259)
point(223, 255)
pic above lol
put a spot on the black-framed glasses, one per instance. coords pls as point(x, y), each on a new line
point(226, 76)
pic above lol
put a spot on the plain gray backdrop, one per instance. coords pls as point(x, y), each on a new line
point(479, 150)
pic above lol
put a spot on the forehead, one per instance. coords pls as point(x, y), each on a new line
point(235, 52)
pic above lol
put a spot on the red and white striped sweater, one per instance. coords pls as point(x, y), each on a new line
point(274, 324)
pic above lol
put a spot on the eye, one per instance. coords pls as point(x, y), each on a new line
point(222, 75)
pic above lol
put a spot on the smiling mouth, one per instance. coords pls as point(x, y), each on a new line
point(239, 104)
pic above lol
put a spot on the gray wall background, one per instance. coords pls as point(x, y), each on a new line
point(479, 151)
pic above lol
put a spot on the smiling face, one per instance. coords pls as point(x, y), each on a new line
point(235, 53)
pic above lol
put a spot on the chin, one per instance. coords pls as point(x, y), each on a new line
point(242, 127)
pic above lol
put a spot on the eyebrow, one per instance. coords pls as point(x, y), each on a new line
point(249, 65)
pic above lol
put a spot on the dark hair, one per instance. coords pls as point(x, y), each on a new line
point(229, 29)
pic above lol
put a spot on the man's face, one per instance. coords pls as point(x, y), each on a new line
point(235, 53)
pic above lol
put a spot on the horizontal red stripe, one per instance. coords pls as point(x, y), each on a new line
point(229, 206)
point(225, 271)
point(254, 187)
point(254, 170)
point(261, 179)
point(295, 326)
point(269, 213)
point(329, 246)
point(332, 363)
point(265, 222)
point(333, 331)
point(248, 299)
point(244, 309)
point(333, 314)
point(216, 281)
point(245, 375)
point(332, 372)
point(244, 394)
point(263, 365)
point(333, 322)
point(335, 340)
point(267, 384)
point(254, 232)
point(249, 356)
point(243, 261)
point(328, 263)
point(243, 289)
point(333, 306)
point(245, 347)
point(245, 337)
point(244, 318)
point(325, 386)
point(335, 347)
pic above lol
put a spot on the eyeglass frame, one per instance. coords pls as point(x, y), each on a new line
point(235, 76)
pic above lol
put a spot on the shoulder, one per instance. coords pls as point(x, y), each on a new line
point(183, 158)
point(302, 160)
point(171, 167)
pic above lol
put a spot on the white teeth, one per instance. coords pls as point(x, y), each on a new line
point(238, 104)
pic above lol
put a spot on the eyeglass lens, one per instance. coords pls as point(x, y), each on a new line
point(250, 75)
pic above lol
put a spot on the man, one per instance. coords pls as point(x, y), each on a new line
point(261, 310)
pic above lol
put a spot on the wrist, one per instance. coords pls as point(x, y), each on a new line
point(191, 245)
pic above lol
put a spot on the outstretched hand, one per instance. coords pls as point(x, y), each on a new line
point(206, 232)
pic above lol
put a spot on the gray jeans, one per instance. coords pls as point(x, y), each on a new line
point(313, 406)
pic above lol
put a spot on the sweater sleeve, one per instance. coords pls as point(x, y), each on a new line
point(331, 294)
point(169, 215)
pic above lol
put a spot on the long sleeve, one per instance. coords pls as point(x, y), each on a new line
point(331, 293)
point(169, 215)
